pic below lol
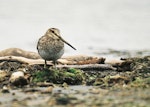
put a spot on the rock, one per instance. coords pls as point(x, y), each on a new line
point(47, 90)
point(118, 79)
point(18, 79)
point(31, 90)
point(44, 84)
point(5, 90)
point(3, 74)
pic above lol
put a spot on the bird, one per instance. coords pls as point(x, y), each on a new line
point(51, 46)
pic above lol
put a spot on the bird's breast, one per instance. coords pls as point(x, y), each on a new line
point(50, 48)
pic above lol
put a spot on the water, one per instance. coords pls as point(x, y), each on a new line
point(89, 25)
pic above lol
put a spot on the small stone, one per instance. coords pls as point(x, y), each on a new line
point(5, 90)
point(31, 90)
point(3, 74)
point(44, 84)
point(48, 90)
point(18, 79)
point(13, 93)
point(65, 85)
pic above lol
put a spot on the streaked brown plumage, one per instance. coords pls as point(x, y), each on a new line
point(51, 45)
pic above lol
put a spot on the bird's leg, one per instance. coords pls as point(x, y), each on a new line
point(45, 65)
point(54, 62)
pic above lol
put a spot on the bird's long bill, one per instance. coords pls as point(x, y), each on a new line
point(68, 43)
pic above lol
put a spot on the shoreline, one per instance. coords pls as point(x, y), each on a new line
point(127, 85)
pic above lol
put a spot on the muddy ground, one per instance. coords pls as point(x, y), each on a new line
point(126, 86)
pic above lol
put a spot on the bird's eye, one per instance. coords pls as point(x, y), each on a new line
point(53, 31)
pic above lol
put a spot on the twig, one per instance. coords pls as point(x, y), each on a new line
point(89, 67)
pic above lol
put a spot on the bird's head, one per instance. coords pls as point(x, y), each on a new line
point(55, 33)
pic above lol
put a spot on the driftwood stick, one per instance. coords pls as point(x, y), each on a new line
point(19, 52)
point(75, 60)
point(86, 67)
point(69, 60)
point(14, 59)
point(89, 67)
point(23, 60)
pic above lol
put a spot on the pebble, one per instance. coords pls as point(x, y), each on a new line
point(5, 90)
point(3, 73)
point(18, 79)
point(44, 84)
point(47, 90)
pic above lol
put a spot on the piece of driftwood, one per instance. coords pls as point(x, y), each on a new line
point(19, 52)
point(41, 61)
point(121, 65)
point(23, 60)
point(71, 60)
point(89, 67)
point(114, 62)
point(81, 60)
point(78, 61)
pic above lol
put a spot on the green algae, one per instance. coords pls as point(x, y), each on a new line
point(141, 82)
point(70, 76)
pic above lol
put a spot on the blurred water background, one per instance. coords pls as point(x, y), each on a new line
point(92, 26)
